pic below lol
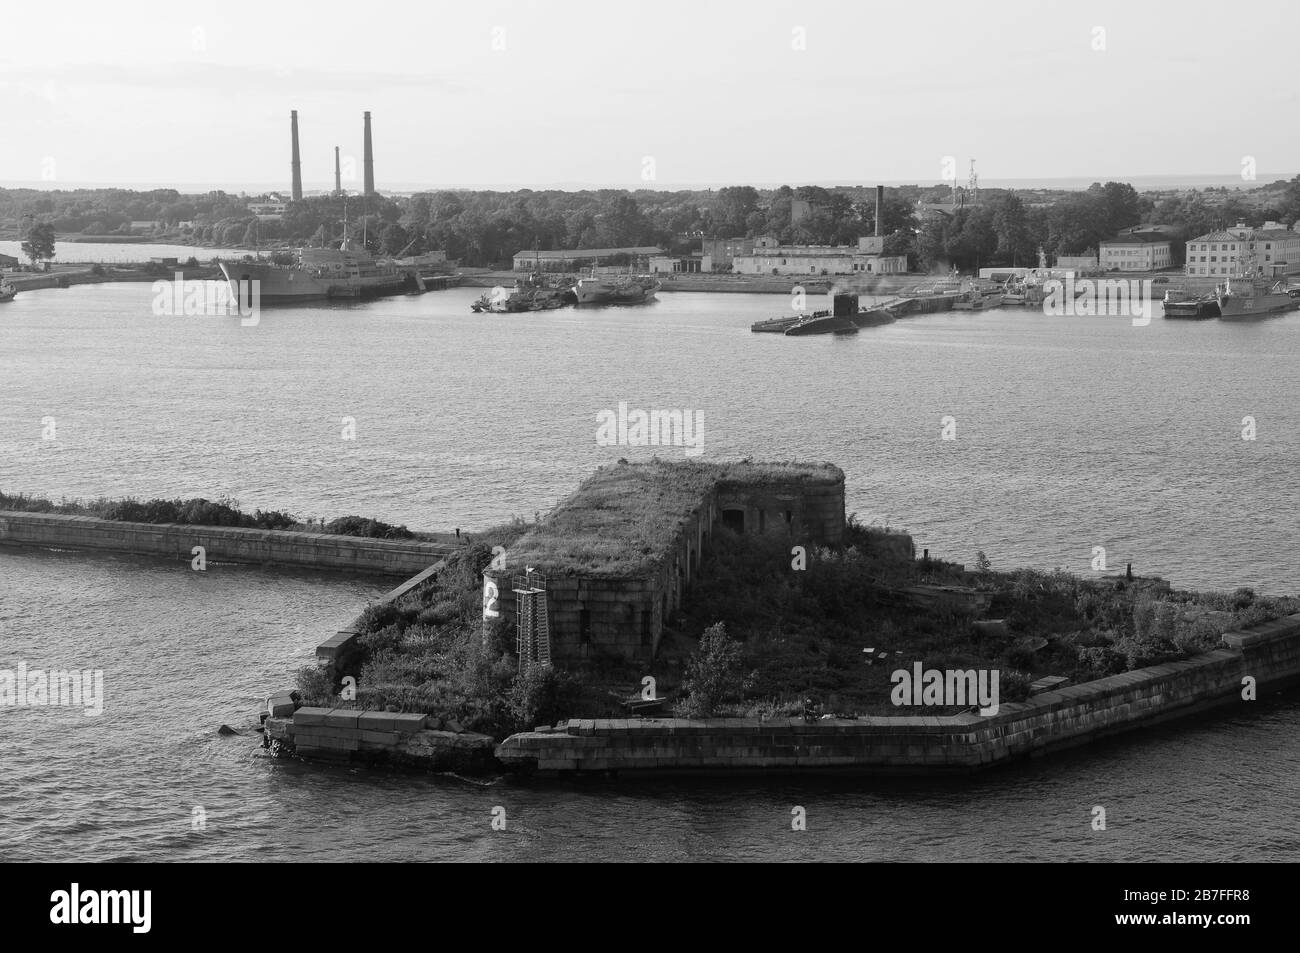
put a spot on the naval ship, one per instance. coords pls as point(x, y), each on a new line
point(346, 272)
point(1249, 294)
point(1241, 298)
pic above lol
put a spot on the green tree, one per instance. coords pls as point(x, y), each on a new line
point(1011, 224)
point(39, 243)
point(714, 674)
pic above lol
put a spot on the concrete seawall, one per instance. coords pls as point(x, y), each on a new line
point(221, 543)
point(920, 744)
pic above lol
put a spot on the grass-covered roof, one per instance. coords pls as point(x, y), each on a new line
point(624, 517)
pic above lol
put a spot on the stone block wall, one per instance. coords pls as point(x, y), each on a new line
point(220, 543)
point(923, 744)
point(591, 613)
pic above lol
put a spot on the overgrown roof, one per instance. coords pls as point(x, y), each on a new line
point(623, 519)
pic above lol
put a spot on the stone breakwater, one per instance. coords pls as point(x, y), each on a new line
point(220, 543)
point(1262, 658)
point(380, 737)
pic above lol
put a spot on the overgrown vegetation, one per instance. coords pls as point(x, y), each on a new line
point(199, 512)
point(624, 516)
point(428, 652)
point(757, 635)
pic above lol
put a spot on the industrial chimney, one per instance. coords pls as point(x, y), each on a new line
point(880, 206)
point(297, 158)
point(338, 173)
point(369, 160)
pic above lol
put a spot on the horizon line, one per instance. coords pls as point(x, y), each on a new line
point(257, 188)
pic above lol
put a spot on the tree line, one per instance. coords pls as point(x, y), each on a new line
point(485, 228)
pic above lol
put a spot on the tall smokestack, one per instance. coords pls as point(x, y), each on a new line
point(297, 158)
point(880, 205)
point(338, 173)
point(369, 160)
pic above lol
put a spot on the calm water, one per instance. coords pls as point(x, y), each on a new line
point(1071, 433)
point(76, 252)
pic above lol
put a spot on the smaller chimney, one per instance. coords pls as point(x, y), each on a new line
point(338, 173)
point(880, 206)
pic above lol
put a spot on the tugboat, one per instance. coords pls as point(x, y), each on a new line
point(532, 293)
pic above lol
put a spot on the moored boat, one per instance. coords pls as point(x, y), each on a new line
point(7, 291)
point(1179, 303)
point(779, 325)
point(616, 289)
point(1241, 299)
point(825, 324)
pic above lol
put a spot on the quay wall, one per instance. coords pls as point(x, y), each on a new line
point(221, 543)
point(920, 744)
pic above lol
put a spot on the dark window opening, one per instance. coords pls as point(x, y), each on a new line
point(584, 626)
point(645, 626)
point(762, 520)
point(734, 520)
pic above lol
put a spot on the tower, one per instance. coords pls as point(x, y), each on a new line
point(338, 173)
point(369, 161)
point(296, 162)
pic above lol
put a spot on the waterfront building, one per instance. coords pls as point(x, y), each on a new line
point(1077, 263)
point(575, 259)
point(692, 264)
point(723, 251)
point(866, 257)
point(1274, 248)
point(268, 211)
point(1137, 250)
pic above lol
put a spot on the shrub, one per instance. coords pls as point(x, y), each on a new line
point(714, 673)
point(361, 526)
point(315, 686)
point(534, 697)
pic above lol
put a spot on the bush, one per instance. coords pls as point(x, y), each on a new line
point(361, 526)
point(315, 686)
point(536, 697)
point(714, 674)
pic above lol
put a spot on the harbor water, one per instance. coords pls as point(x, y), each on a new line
point(1069, 434)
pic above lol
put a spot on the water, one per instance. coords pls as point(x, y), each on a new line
point(1071, 433)
point(106, 252)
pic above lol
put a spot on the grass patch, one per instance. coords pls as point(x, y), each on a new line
point(200, 512)
point(624, 517)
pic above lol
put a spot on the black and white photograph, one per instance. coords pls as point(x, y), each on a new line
point(565, 432)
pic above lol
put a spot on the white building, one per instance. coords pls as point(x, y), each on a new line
point(769, 258)
point(1137, 251)
point(682, 264)
point(1275, 248)
point(268, 211)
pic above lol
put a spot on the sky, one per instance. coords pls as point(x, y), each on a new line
point(631, 95)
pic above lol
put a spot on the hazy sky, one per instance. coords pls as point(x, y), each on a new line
point(713, 91)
